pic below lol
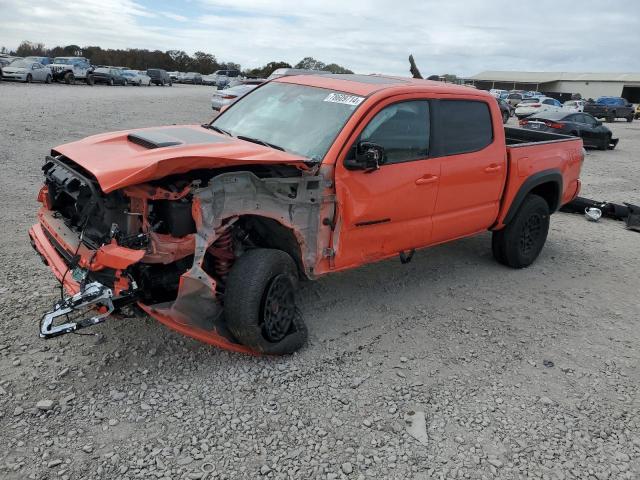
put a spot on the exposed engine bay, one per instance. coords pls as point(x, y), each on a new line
point(186, 232)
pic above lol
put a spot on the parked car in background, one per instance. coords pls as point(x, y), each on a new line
point(134, 77)
point(578, 124)
point(574, 105)
point(173, 75)
point(496, 92)
point(515, 98)
point(159, 76)
point(210, 79)
point(110, 76)
point(533, 105)
point(610, 108)
point(41, 60)
point(285, 72)
point(26, 71)
point(193, 78)
point(224, 97)
point(505, 109)
point(245, 81)
point(70, 69)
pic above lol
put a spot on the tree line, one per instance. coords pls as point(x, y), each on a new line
point(170, 60)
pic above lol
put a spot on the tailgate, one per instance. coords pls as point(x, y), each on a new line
point(528, 162)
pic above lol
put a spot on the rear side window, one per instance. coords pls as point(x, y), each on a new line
point(461, 126)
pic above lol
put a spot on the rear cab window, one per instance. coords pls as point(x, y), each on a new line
point(460, 126)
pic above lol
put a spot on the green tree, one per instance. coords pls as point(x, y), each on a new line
point(28, 49)
point(310, 63)
point(335, 68)
point(265, 71)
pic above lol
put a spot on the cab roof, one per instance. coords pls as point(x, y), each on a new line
point(366, 85)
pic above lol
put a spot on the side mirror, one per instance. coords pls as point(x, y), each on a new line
point(368, 156)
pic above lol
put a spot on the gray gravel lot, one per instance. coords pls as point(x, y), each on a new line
point(519, 374)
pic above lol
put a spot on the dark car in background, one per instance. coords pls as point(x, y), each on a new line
point(506, 109)
point(193, 78)
point(593, 133)
point(610, 108)
point(110, 76)
point(159, 76)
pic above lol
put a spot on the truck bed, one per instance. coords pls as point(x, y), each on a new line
point(531, 153)
point(517, 137)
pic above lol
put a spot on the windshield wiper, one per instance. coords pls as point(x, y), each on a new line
point(260, 142)
point(217, 129)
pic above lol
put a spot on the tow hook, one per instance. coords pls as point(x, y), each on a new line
point(92, 295)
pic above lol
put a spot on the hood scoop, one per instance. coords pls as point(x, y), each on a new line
point(170, 137)
point(153, 139)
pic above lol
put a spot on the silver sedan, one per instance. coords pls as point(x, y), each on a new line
point(25, 71)
point(135, 77)
point(223, 98)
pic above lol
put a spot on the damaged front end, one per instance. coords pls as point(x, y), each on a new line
point(168, 245)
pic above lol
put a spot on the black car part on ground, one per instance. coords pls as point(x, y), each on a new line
point(628, 212)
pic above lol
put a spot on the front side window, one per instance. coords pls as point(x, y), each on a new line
point(299, 119)
point(462, 126)
point(402, 129)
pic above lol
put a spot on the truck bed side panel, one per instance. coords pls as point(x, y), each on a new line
point(525, 160)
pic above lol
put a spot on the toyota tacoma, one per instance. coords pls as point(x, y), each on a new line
point(208, 228)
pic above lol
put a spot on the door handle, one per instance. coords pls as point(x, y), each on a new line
point(426, 179)
point(493, 168)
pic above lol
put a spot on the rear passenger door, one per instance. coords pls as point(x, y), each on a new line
point(472, 168)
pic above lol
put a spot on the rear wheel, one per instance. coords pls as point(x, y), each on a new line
point(259, 302)
point(630, 118)
point(162, 83)
point(111, 82)
point(519, 243)
point(69, 78)
point(90, 79)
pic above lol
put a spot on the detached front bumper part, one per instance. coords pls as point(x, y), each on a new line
point(94, 295)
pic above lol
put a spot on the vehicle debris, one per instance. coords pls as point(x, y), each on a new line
point(416, 426)
point(594, 210)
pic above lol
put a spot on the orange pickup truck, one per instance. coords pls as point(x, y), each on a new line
point(208, 228)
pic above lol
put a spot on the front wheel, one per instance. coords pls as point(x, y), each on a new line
point(29, 78)
point(111, 82)
point(519, 243)
point(69, 78)
point(48, 79)
point(259, 302)
point(630, 118)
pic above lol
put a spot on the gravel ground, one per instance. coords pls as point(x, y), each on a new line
point(515, 374)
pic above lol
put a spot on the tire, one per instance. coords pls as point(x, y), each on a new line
point(162, 83)
point(519, 243)
point(149, 84)
point(171, 84)
point(630, 118)
point(259, 278)
point(69, 78)
point(29, 78)
point(48, 79)
point(611, 118)
point(90, 80)
point(505, 117)
point(110, 82)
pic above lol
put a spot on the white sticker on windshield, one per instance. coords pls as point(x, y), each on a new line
point(342, 98)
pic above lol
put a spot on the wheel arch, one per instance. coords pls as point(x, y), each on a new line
point(547, 184)
point(268, 232)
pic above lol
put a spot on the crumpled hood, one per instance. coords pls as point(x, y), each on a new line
point(131, 157)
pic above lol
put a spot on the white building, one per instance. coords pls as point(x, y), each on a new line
point(589, 85)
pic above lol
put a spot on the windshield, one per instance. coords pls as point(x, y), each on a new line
point(20, 64)
point(530, 100)
point(62, 61)
point(301, 119)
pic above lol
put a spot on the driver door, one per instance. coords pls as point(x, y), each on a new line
point(388, 210)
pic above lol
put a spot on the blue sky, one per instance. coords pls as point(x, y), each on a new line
point(373, 36)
